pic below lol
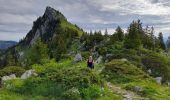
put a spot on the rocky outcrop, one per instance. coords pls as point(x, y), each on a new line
point(28, 74)
point(10, 77)
point(99, 60)
point(158, 80)
point(78, 57)
point(44, 27)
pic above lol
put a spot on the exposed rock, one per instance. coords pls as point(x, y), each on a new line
point(158, 80)
point(150, 71)
point(10, 77)
point(99, 60)
point(168, 84)
point(127, 97)
point(78, 57)
point(124, 59)
point(138, 89)
point(28, 74)
point(109, 55)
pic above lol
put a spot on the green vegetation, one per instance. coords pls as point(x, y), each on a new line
point(62, 80)
point(128, 76)
point(126, 59)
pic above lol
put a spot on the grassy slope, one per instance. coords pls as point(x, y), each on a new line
point(128, 76)
point(65, 80)
point(66, 24)
point(59, 81)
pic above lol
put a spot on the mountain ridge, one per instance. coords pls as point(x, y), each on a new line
point(7, 44)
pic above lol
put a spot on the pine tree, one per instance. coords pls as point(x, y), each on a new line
point(106, 33)
point(119, 34)
point(133, 40)
point(162, 44)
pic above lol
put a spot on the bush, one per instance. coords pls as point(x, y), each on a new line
point(159, 64)
point(18, 71)
point(122, 72)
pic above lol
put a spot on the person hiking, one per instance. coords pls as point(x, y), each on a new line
point(90, 62)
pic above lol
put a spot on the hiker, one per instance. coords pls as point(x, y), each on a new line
point(90, 62)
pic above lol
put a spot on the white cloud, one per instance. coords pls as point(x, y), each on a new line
point(140, 7)
point(17, 16)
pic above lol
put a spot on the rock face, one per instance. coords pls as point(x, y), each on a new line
point(99, 60)
point(28, 74)
point(78, 57)
point(10, 77)
point(44, 27)
point(158, 80)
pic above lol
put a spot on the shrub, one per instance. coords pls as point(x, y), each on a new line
point(18, 71)
point(122, 72)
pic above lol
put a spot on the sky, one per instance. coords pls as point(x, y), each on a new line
point(17, 16)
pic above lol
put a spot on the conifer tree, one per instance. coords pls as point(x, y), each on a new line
point(119, 34)
point(162, 44)
point(133, 40)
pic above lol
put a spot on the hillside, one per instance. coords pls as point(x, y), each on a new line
point(51, 63)
point(7, 44)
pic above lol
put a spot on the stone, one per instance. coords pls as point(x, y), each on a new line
point(158, 80)
point(78, 57)
point(109, 55)
point(149, 71)
point(28, 74)
point(99, 60)
point(168, 84)
point(124, 59)
point(138, 89)
point(127, 97)
point(10, 77)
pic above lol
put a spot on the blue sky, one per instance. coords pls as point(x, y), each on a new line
point(17, 16)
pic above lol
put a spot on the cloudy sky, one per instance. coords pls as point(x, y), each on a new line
point(17, 16)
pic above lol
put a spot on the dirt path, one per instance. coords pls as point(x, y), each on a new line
point(127, 95)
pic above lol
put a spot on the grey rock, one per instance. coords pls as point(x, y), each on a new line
point(78, 57)
point(10, 77)
point(150, 71)
point(28, 74)
point(158, 80)
point(109, 55)
point(127, 97)
point(138, 89)
point(99, 60)
point(124, 59)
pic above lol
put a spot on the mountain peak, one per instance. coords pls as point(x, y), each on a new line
point(53, 14)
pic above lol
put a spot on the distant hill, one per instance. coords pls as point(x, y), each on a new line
point(7, 44)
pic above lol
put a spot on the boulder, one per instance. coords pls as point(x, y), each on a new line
point(10, 77)
point(78, 57)
point(127, 97)
point(28, 74)
point(109, 55)
point(158, 80)
point(138, 89)
point(150, 71)
point(99, 60)
point(124, 59)
point(168, 84)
